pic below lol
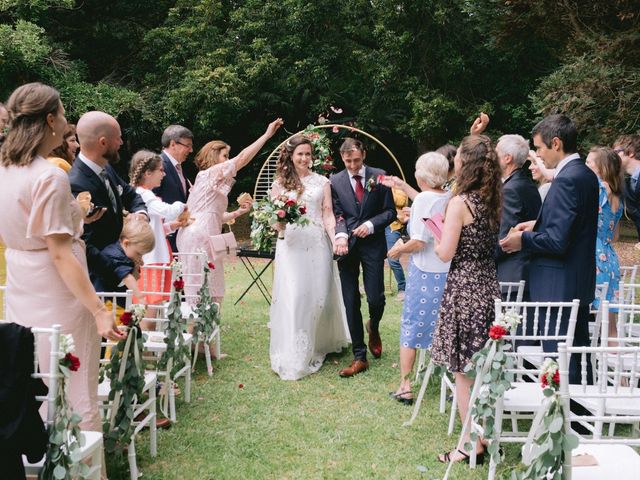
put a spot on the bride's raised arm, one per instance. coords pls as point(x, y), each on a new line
point(328, 219)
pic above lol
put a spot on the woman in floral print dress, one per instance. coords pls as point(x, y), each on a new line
point(469, 238)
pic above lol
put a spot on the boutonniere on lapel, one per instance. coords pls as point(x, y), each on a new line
point(372, 183)
point(120, 189)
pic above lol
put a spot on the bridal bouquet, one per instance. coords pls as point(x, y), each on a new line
point(269, 211)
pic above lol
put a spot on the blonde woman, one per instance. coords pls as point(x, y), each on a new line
point(427, 273)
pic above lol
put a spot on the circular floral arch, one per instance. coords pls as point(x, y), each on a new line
point(268, 170)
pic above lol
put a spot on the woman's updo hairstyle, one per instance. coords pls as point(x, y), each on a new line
point(28, 107)
point(209, 154)
point(285, 170)
point(480, 171)
point(143, 161)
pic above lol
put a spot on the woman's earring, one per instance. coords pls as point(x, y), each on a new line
point(53, 133)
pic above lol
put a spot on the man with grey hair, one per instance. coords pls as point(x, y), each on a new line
point(520, 203)
point(177, 144)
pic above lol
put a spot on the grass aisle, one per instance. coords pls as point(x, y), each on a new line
point(246, 423)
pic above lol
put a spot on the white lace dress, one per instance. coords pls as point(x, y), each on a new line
point(307, 317)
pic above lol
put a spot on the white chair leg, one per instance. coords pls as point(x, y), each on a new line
point(187, 385)
point(498, 429)
point(207, 357)
point(421, 361)
point(153, 429)
point(443, 394)
point(96, 463)
point(133, 466)
point(172, 399)
point(423, 389)
point(452, 415)
point(514, 422)
point(218, 345)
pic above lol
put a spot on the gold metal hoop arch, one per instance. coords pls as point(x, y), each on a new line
point(268, 170)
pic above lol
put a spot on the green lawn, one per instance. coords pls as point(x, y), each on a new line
point(246, 423)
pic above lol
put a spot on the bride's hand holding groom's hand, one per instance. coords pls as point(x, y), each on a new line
point(361, 231)
point(340, 246)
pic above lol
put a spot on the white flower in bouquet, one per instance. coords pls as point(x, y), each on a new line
point(176, 268)
point(66, 345)
point(138, 311)
point(509, 320)
point(549, 367)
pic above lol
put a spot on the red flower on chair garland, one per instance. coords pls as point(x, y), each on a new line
point(496, 332)
point(71, 362)
point(125, 318)
point(550, 374)
point(211, 265)
point(178, 284)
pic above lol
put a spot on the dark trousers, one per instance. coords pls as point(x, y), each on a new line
point(373, 277)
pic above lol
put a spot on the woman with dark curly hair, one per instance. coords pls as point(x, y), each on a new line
point(308, 318)
point(469, 239)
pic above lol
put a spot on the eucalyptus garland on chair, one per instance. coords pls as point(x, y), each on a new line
point(62, 461)
point(492, 363)
point(124, 362)
point(177, 353)
point(207, 317)
point(543, 454)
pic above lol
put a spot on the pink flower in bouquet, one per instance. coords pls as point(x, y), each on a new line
point(178, 284)
point(281, 213)
point(496, 332)
point(211, 265)
point(125, 318)
point(327, 166)
point(72, 362)
point(303, 210)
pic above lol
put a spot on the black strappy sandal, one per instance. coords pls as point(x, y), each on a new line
point(398, 397)
point(446, 457)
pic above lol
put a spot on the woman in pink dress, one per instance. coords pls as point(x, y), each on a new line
point(208, 201)
point(47, 277)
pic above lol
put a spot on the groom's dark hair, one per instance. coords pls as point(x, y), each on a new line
point(351, 143)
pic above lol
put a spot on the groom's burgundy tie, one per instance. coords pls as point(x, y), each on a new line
point(359, 188)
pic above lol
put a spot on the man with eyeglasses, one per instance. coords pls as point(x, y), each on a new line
point(628, 148)
point(177, 144)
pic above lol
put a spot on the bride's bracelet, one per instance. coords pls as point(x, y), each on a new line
point(100, 309)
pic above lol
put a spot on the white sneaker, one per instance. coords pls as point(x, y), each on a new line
point(400, 296)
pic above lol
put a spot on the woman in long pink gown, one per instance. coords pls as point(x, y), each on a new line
point(208, 202)
point(47, 277)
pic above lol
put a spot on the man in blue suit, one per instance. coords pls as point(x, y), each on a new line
point(562, 241)
point(363, 209)
point(177, 144)
point(628, 148)
point(100, 139)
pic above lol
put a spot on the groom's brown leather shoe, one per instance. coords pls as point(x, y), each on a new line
point(356, 367)
point(375, 342)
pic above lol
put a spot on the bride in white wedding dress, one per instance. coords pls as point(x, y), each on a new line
point(307, 317)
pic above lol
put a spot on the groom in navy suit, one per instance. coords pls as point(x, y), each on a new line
point(363, 209)
point(562, 241)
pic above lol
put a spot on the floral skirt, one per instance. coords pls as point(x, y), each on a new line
point(421, 307)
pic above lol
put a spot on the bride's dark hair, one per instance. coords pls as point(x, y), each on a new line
point(285, 170)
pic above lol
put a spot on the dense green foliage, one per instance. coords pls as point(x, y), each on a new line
point(412, 73)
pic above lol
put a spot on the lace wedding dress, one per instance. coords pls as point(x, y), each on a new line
point(307, 317)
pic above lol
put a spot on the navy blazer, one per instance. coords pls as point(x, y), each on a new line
point(170, 189)
point(563, 241)
point(520, 203)
point(105, 231)
point(377, 207)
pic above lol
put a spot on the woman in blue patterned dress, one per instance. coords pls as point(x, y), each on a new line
point(606, 164)
point(427, 273)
